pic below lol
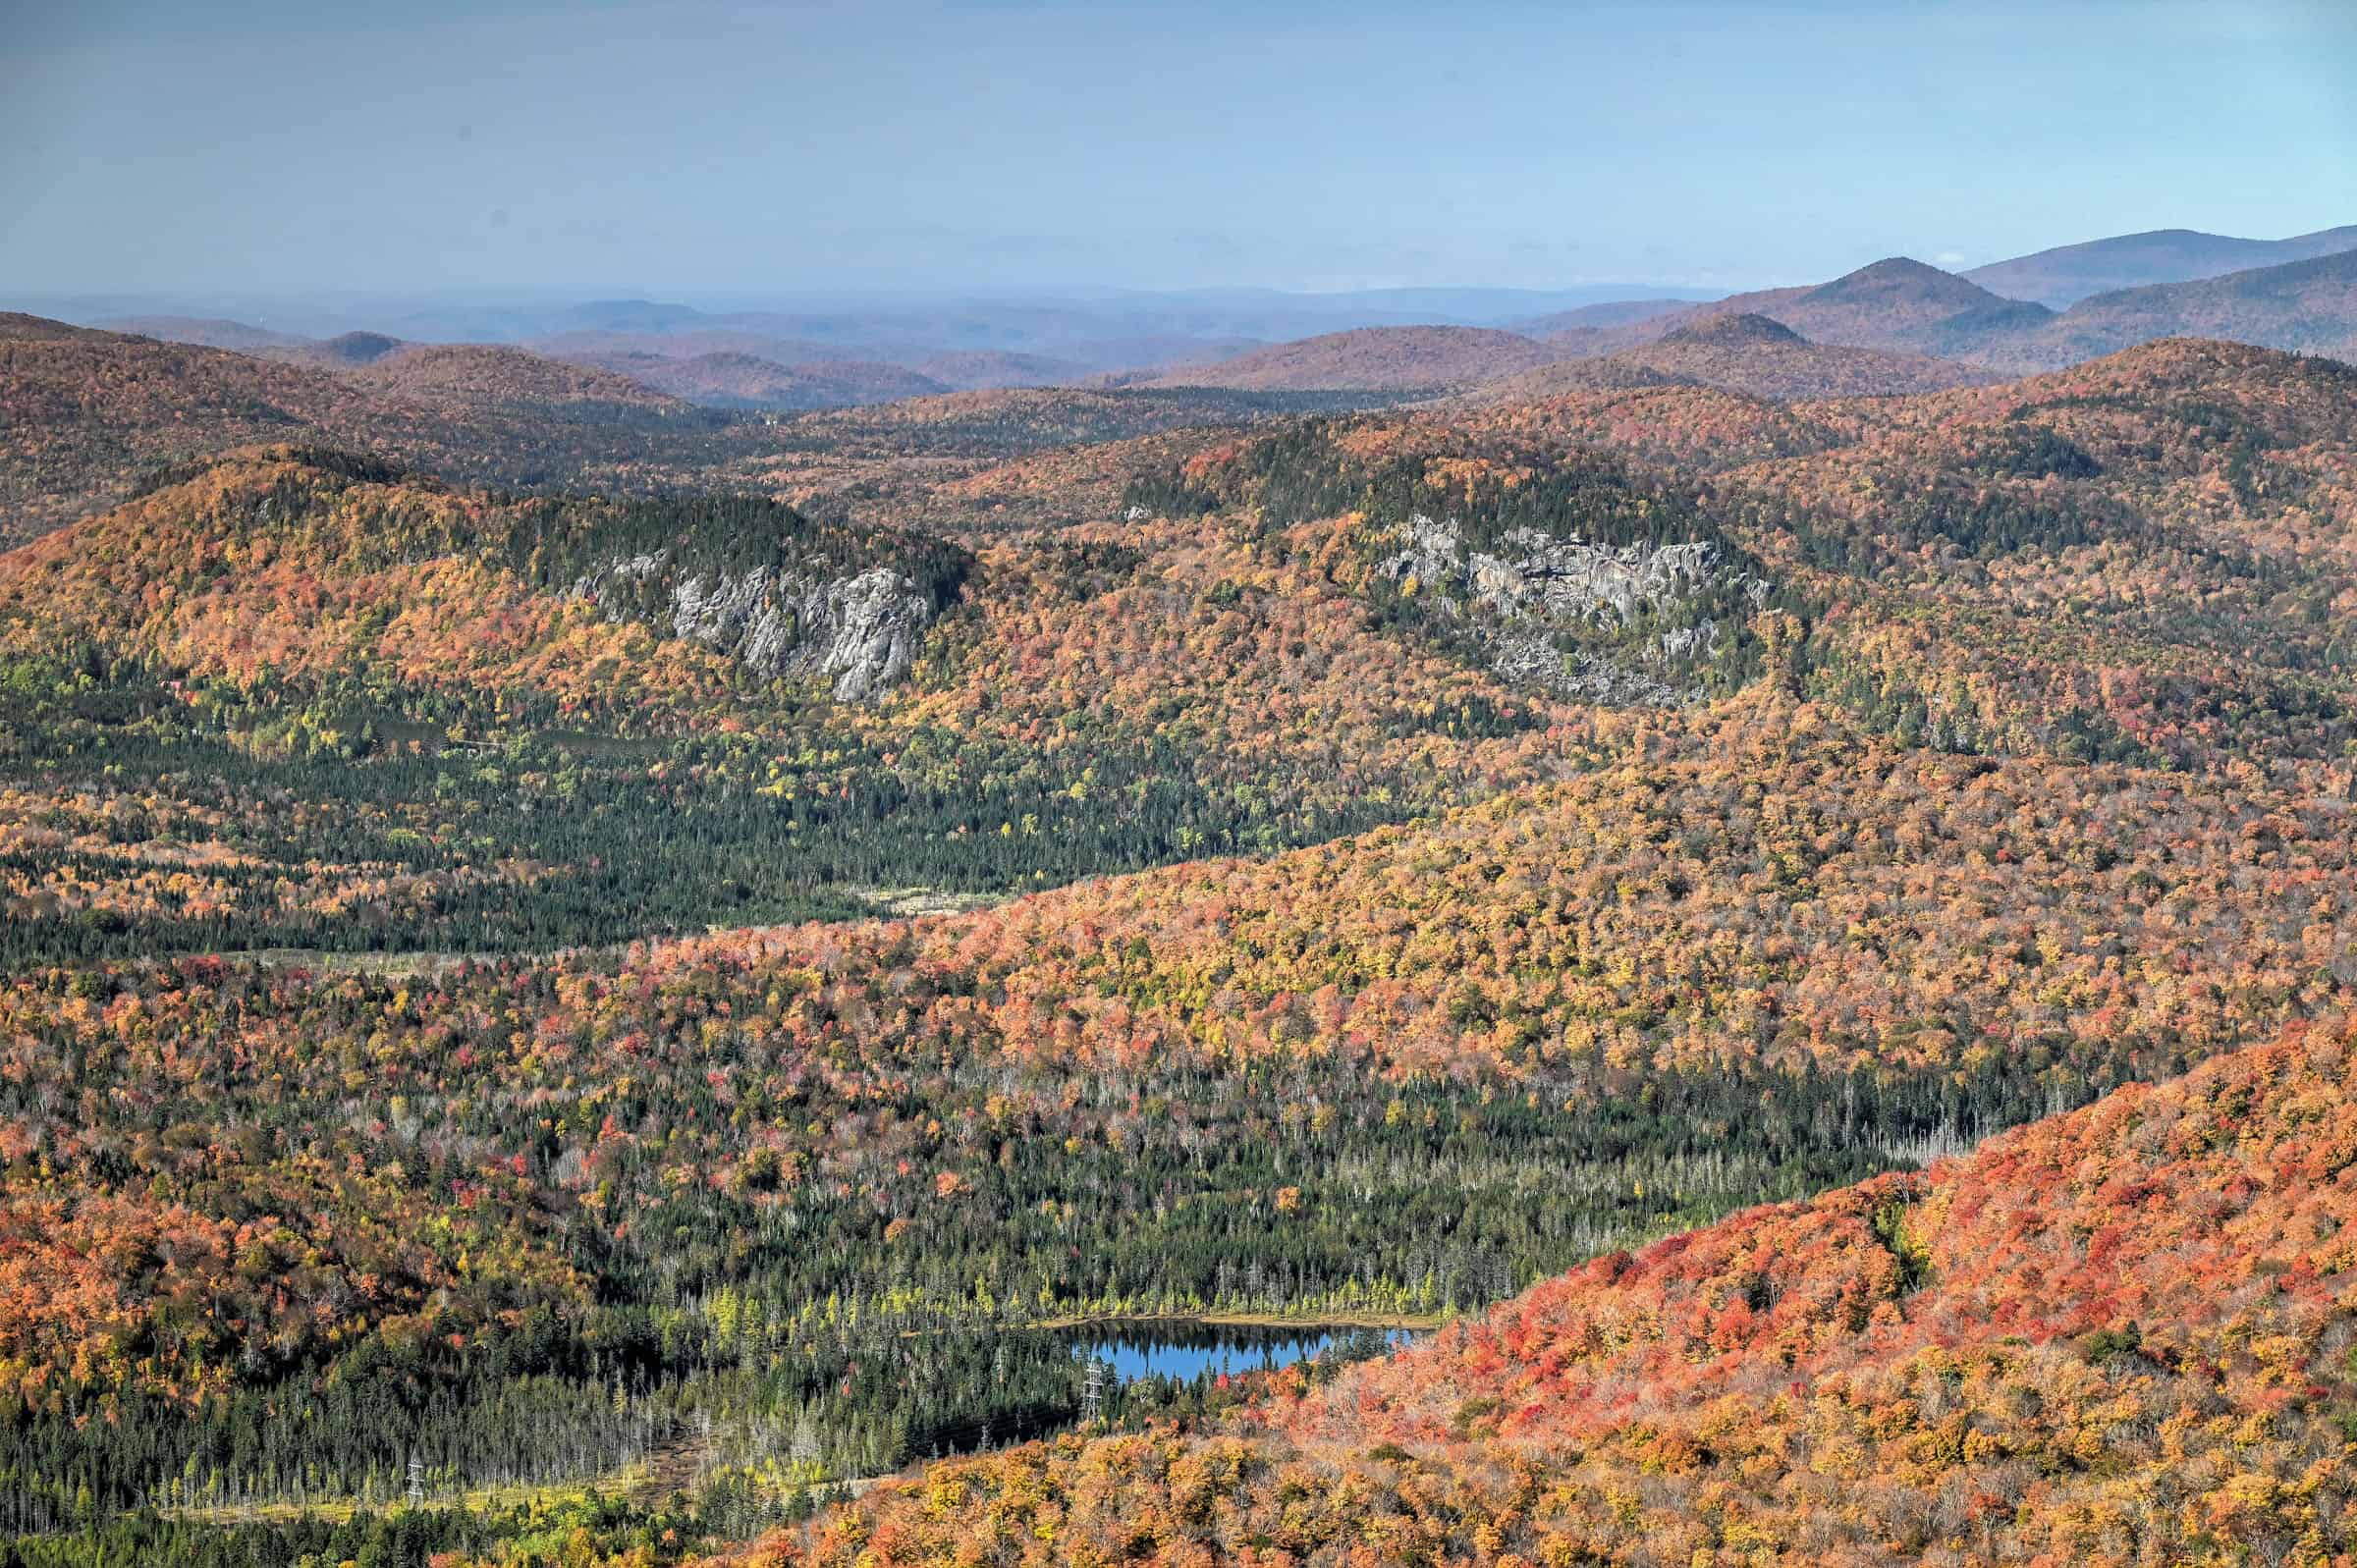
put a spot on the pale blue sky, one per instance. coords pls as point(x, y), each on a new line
point(708, 148)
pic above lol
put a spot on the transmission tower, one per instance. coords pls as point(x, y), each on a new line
point(416, 1481)
point(1092, 1394)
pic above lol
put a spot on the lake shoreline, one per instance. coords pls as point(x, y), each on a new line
point(1421, 1321)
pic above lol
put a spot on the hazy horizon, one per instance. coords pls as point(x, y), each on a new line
point(728, 302)
point(719, 150)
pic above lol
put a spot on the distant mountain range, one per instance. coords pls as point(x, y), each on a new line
point(1903, 305)
point(1081, 327)
point(2308, 305)
point(204, 332)
point(85, 415)
point(728, 379)
point(1743, 351)
point(1935, 327)
point(500, 374)
point(1596, 318)
point(1372, 359)
point(2067, 274)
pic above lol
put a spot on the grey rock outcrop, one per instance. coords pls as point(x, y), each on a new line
point(1531, 604)
point(861, 632)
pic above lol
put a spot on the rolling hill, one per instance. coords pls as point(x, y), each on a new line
point(83, 411)
point(343, 351)
point(1386, 359)
point(1613, 313)
point(1460, 859)
point(1966, 559)
point(800, 374)
point(1903, 305)
point(1147, 350)
point(1640, 969)
point(203, 332)
point(2007, 1360)
point(329, 617)
point(86, 414)
point(592, 344)
point(1985, 540)
point(2067, 274)
point(731, 380)
point(89, 413)
point(980, 369)
point(1746, 352)
point(528, 596)
point(1896, 304)
point(2309, 306)
point(501, 375)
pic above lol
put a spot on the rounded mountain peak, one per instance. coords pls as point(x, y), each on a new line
point(1733, 330)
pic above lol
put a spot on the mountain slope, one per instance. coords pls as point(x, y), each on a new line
point(203, 332)
point(2067, 274)
point(2136, 555)
point(335, 625)
point(83, 413)
point(1993, 748)
point(1371, 359)
point(1741, 351)
point(1900, 304)
point(978, 370)
point(732, 380)
point(1613, 313)
point(343, 351)
point(2310, 306)
point(1896, 304)
point(313, 565)
point(501, 374)
point(2113, 1338)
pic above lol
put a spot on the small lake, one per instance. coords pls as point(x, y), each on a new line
point(1037, 1375)
point(1188, 1350)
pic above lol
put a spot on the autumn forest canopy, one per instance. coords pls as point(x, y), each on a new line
point(1746, 910)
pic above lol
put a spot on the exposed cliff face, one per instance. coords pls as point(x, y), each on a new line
point(1571, 572)
point(783, 594)
point(1618, 624)
point(860, 632)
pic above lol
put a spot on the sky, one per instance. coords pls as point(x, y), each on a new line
point(726, 150)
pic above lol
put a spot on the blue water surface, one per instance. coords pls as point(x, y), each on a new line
point(1187, 1351)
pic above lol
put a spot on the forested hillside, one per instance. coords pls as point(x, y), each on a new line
point(1371, 359)
point(2116, 1337)
point(298, 699)
point(1340, 623)
point(1003, 784)
point(2067, 274)
point(1755, 959)
point(731, 380)
point(2308, 305)
point(2097, 300)
point(88, 416)
point(2141, 557)
point(696, 994)
point(1742, 352)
